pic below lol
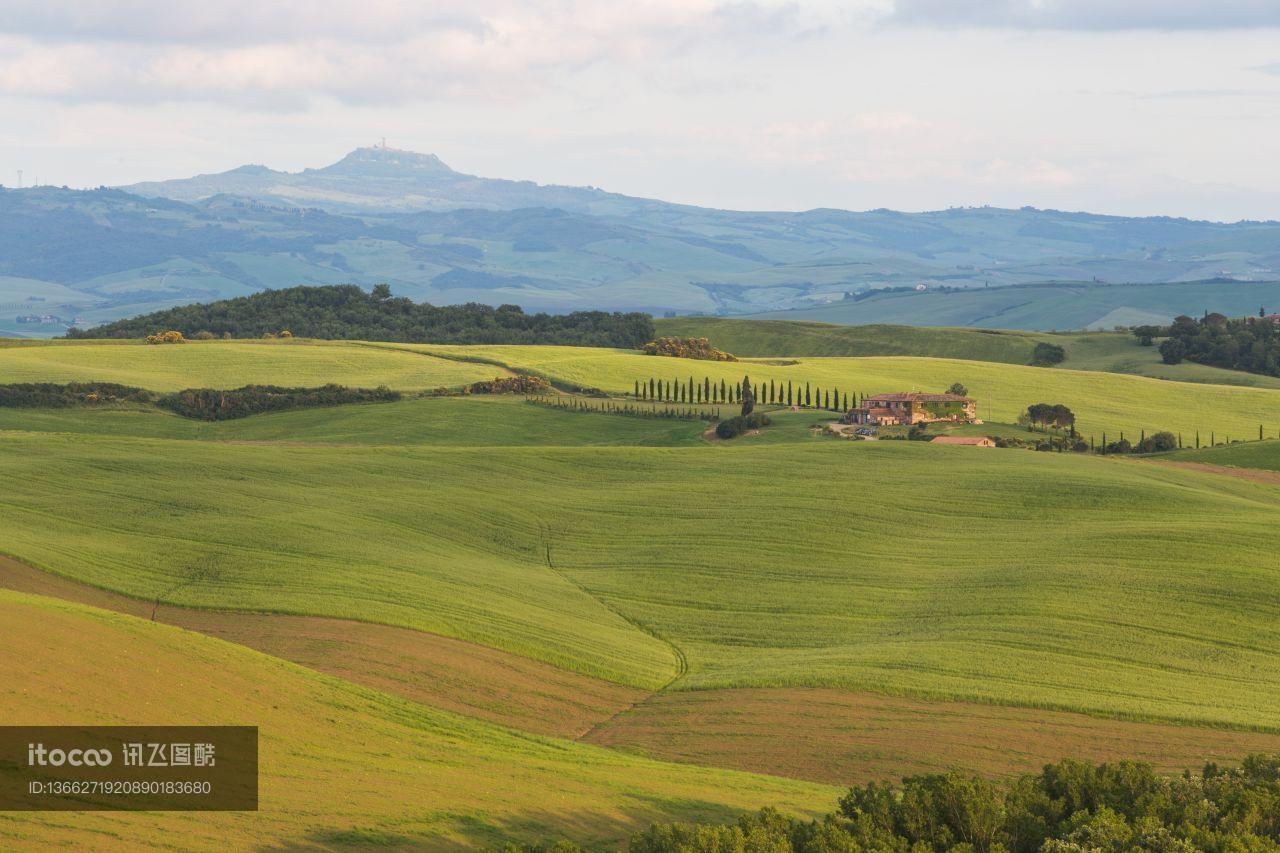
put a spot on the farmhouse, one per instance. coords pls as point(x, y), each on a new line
point(913, 407)
point(964, 440)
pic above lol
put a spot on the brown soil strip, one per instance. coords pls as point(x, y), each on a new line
point(846, 738)
point(1257, 475)
point(437, 671)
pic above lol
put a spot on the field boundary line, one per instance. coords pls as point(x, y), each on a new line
point(682, 662)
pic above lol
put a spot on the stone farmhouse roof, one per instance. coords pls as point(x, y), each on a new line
point(917, 397)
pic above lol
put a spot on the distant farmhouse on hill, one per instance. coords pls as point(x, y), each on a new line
point(913, 407)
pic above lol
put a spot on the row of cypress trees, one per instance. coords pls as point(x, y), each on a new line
point(726, 393)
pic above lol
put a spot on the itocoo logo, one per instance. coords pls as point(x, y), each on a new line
point(38, 755)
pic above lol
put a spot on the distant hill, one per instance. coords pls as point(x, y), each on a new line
point(1046, 306)
point(348, 313)
point(384, 180)
point(438, 235)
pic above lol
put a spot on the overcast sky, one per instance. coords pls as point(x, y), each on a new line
point(1116, 106)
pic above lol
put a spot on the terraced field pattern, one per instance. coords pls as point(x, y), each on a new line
point(462, 620)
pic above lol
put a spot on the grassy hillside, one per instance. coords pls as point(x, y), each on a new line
point(1102, 402)
point(1070, 305)
point(1264, 455)
point(1085, 583)
point(340, 765)
point(477, 421)
point(774, 338)
point(1109, 352)
point(1109, 403)
point(406, 537)
point(229, 364)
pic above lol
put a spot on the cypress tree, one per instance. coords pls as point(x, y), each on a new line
point(772, 398)
point(748, 396)
point(788, 392)
point(651, 392)
point(637, 394)
point(706, 388)
point(724, 395)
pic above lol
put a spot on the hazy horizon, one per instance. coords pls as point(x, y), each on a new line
point(1138, 108)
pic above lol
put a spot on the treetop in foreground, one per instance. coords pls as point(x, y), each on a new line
point(346, 312)
point(1070, 807)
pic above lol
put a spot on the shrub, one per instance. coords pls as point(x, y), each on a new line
point(510, 385)
point(204, 335)
point(1046, 355)
point(736, 426)
point(1160, 442)
point(50, 395)
point(209, 404)
point(169, 337)
point(699, 348)
point(1172, 351)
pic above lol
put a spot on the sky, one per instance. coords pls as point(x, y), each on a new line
point(1134, 107)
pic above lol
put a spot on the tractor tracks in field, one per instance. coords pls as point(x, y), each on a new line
point(682, 662)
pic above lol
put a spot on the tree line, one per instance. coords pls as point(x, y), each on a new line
point(206, 404)
point(346, 312)
point(1251, 344)
point(1068, 807)
point(721, 392)
point(578, 404)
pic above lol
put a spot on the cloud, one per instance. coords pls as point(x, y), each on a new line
point(251, 53)
point(1089, 14)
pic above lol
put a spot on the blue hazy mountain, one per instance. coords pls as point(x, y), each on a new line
point(434, 234)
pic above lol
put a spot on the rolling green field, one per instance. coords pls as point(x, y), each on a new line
point(1102, 401)
point(477, 421)
point(229, 364)
point(783, 338)
point(825, 563)
point(1110, 352)
point(632, 550)
point(1264, 455)
point(341, 766)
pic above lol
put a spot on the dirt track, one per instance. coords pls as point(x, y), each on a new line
point(1256, 475)
point(437, 671)
point(845, 738)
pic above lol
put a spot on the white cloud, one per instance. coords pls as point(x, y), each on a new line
point(256, 53)
point(1090, 14)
